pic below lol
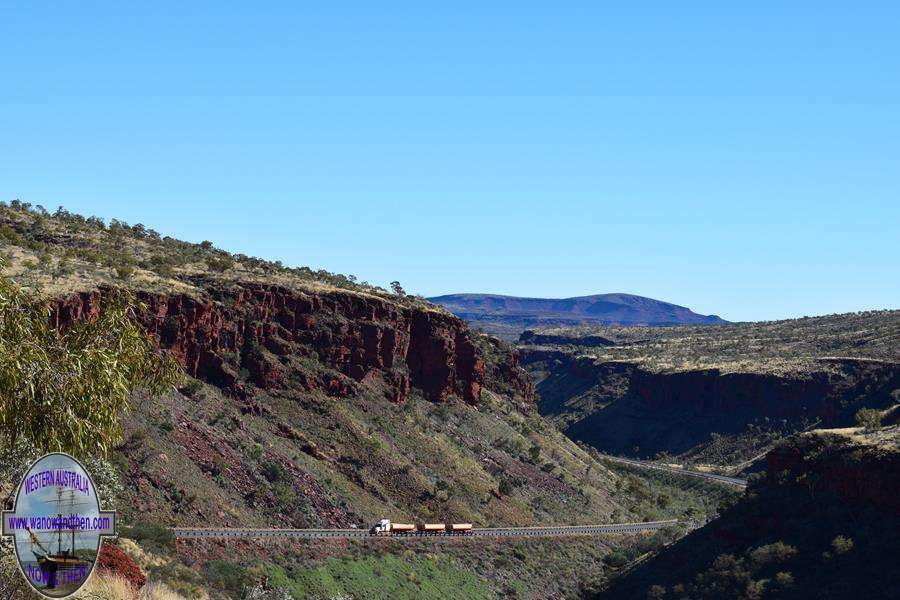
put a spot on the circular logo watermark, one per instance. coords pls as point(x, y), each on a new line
point(57, 525)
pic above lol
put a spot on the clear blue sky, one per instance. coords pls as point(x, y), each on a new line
point(738, 158)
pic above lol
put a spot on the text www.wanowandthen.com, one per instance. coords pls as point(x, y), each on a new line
point(66, 523)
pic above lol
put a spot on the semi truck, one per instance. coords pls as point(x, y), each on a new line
point(385, 527)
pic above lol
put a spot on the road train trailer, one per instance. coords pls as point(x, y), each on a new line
point(386, 527)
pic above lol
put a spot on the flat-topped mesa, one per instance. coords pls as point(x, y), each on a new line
point(255, 332)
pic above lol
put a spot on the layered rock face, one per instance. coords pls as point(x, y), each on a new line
point(503, 372)
point(534, 338)
point(620, 406)
point(251, 332)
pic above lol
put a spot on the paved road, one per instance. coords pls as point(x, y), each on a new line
point(562, 530)
point(698, 474)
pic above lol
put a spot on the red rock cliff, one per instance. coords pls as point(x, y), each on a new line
point(251, 332)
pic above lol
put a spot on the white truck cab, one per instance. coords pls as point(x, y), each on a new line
point(382, 526)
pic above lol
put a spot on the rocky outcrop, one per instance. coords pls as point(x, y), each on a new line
point(862, 476)
point(235, 336)
point(534, 338)
point(830, 499)
point(710, 390)
point(619, 406)
point(503, 372)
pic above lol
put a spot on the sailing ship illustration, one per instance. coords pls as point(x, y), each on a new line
point(65, 561)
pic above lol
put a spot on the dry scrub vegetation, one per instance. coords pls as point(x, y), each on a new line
point(778, 347)
point(111, 587)
point(62, 252)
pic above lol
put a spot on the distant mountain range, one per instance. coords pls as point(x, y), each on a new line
point(508, 316)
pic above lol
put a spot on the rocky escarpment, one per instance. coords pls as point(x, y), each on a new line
point(534, 338)
point(331, 409)
point(859, 475)
point(503, 371)
point(624, 408)
point(334, 341)
point(821, 523)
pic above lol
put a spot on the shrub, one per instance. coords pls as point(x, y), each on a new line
point(192, 387)
point(226, 575)
point(656, 592)
point(293, 505)
point(218, 467)
point(124, 271)
point(274, 472)
point(869, 419)
point(842, 545)
point(11, 235)
point(777, 553)
point(256, 451)
point(161, 265)
point(115, 562)
point(64, 267)
point(616, 559)
point(154, 533)
point(784, 579)
point(220, 264)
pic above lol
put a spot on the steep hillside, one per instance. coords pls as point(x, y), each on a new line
point(508, 316)
point(821, 523)
point(716, 394)
point(392, 407)
point(312, 400)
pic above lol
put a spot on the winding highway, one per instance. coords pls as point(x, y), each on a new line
point(644, 464)
point(487, 532)
point(491, 532)
point(185, 533)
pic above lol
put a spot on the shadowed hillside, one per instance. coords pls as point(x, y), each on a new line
point(821, 523)
point(713, 394)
